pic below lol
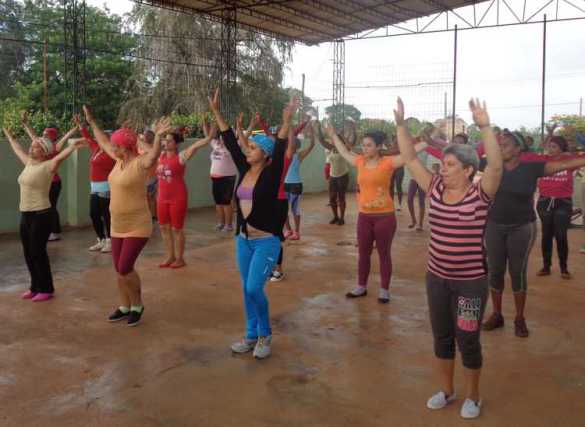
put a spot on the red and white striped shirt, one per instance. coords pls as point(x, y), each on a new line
point(456, 248)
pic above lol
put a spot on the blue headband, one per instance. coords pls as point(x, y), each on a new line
point(265, 143)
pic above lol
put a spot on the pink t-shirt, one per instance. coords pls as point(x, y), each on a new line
point(222, 163)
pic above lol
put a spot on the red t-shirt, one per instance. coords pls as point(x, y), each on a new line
point(100, 164)
point(559, 185)
point(171, 178)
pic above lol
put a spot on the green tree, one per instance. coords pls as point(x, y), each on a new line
point(338, 113)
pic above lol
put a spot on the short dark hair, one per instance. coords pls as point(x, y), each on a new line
point(561, 142)
point(377, 136)
point(177, 137)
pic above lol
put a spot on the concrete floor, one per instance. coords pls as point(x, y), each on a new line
point(335, 362)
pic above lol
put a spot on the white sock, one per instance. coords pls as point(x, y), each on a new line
point(384, 294)
point(124, 309)
point(359, 290)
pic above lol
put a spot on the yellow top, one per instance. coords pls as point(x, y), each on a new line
point(374, 186)
point(130, 215)
point(35, 184)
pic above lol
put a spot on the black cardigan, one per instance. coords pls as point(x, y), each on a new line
point(264, 215)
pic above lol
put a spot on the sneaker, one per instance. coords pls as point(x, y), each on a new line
point(341, 221)
point(53, 237)
point(228, 228)
point(384, 296)
point(219, 227)
point(262, 349)
point(566, 275)
point(134, 317)
point(358, 291)
point(582, 250)
point(246, 345)
point(277, 276)
point(495, 321)
point(520, 328)
point(440, 400)
point(41, 296)
point(118, 315)
point(470, 409)
point(544, 271)
point(98, 246)
point(29, 295)
point(334, 221)
point(107, 247)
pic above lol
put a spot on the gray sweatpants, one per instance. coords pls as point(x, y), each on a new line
point(456, 309)
point(508, 246)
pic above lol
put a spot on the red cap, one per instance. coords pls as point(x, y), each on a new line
point(125, 138)
point(51, 133)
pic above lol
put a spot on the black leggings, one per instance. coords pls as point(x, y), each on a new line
point(99, 211)
point(555, 216)
point(337, 190)
point(509, 246)
point(54, 193)
point(35, 228)
point(396, 184)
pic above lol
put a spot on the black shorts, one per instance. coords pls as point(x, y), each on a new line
point(339, 184)
point(293, 188)
point(223, 189)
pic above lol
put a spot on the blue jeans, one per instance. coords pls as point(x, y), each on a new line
point(256, 258)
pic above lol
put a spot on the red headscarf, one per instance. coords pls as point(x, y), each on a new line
point(51, 133)
point(126, 138)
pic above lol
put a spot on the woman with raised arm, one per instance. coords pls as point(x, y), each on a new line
point(511, 227)
point(173, 197)
point(35, 210)
point(51, 134)
point(338, 177)
point(376, 220)
point(131, 225)
point(258, 228)
point(457, 286)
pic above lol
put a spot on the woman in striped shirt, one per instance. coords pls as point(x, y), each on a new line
point(457, 286)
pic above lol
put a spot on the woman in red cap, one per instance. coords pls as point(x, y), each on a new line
point(35, 207)
point(172, 200)
point(51, 135)
point(131, 223)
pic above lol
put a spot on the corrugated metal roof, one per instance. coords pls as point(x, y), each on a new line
point(314, 22)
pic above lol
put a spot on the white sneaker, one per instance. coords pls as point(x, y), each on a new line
point(470, 409)
point(384, 296)
point(262, 349)
point(440, 400)
point(277, 276)
point(107, 246)
point(244, 346)
point(53, 237)
point(98, 246)
point(219, 227)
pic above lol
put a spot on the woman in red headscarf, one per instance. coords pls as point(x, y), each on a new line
point(131, 224)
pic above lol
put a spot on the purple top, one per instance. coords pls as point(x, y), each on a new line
point(245, 193)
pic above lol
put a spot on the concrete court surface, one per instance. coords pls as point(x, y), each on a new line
point(335, 362)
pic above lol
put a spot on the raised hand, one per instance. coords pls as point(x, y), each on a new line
point(399, 112)
point(290, 109)
point(214, 102)
point(88, 115)
point(479, 113)
point(162, 126)
point(8, 133)
point(240, 121)
point(550, 129)
point(329, 129)
point(24, 116)
point(76, 119)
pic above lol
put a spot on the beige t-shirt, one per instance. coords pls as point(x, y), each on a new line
point(35, 184)
point(129, 210)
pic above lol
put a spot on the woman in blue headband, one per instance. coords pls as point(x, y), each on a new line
point(258, 229)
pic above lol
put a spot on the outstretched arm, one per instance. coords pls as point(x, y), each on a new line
point(492, 175)
point(59, 158)
point(188, 152)
point(161, 128)
point(100, 136)
point(339, 145)
point(550, 168)
point(241, 134)
point(304, 153)
point(63, 141)
point(263, 125)
point(16, 147)
point(398, 160)
point(419, 172)
point(25, 124)
point(319, 135)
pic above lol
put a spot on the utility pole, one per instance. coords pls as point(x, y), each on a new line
point(46, 77)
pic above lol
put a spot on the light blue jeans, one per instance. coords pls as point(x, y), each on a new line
point(256, 258)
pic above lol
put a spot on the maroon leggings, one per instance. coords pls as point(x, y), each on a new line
point(125, 251)
point(381, 229)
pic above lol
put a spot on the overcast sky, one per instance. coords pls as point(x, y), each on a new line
point(501, 65)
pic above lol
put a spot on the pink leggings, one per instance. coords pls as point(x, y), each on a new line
point(381, 229)
point(125, 251)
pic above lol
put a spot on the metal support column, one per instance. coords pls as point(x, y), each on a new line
point(74, 54)
point(228, 62)
point(454, 84)
point(338, 117)
point(542, 111)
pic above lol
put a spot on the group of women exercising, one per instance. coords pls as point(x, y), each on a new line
point(480, 209)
